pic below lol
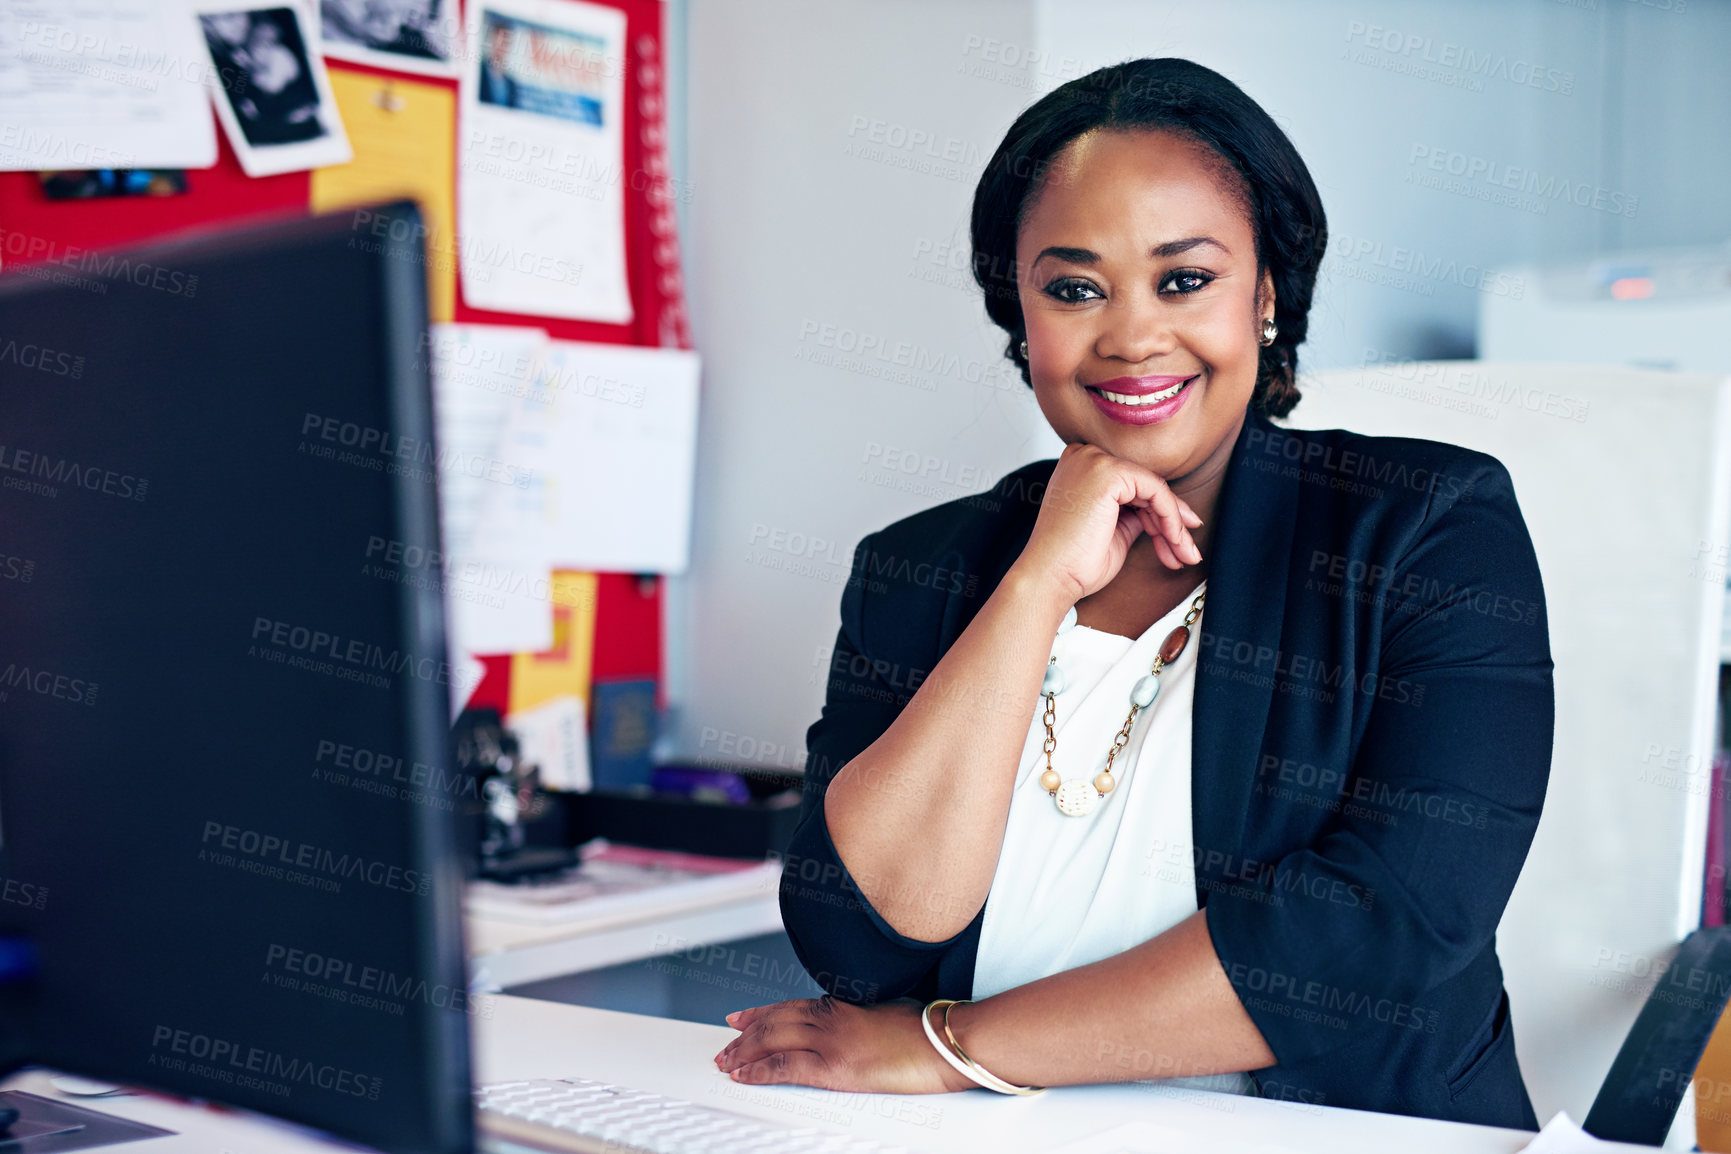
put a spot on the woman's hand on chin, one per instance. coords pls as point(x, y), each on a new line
point(835, 1045)
point(1094, 508)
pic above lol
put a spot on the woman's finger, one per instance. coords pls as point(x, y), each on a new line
point(798, 1067)
point(740, 1019)
point(767, 1037)
point(1163, 550)
point(1150, 489)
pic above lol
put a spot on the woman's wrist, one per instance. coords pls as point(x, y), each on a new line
point(1041, 593)
point(963, 1023)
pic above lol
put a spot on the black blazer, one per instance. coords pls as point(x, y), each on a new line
point(1371, 743)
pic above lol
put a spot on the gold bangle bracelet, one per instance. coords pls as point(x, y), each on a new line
point(991, 1079)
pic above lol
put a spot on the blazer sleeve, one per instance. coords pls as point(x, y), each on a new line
point(844, 943)
point(1463, 769)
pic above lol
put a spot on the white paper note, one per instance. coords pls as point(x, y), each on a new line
point(498, 592)
point(612, 430)
point(540, 160)
point(103, 84)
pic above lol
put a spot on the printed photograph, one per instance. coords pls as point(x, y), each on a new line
point(270, 90)
point(533, 68)
point(408, 35)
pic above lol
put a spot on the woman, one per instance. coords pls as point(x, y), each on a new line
point(1281, 872)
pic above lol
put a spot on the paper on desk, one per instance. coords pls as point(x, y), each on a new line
point(1562, 1135)
point(613, 430)
point(498, 585)
point(118, 86)
point(541, 159)
point(606, 891)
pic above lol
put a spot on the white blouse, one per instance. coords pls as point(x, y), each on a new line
point(1073, 890)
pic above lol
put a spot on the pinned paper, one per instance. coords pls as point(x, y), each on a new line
point(542, 159)
point(403, 136)
point(612, 432)
point(120, 85)
point(498, 585)
point(563, 670)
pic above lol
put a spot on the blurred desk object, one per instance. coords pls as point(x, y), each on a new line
point(1656, 309)
point(525, 933)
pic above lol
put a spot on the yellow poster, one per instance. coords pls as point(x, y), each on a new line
point(564, 669)
point(404, 136)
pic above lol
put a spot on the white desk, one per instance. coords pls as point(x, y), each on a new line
point(518, 1038)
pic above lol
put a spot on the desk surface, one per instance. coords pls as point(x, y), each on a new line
point(522, 1039)
point(518, 1038)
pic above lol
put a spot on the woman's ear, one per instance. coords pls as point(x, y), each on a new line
point(1265, 296)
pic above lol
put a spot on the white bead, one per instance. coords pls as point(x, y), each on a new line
point(1053, 682)
point(1144, 692)
point(1069, 621)
point(1076, 797)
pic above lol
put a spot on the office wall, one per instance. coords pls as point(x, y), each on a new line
point(1452, 136)
point(831, 151)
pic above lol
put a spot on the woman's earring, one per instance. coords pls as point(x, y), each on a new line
point(1269, 332)
point(1024, 348)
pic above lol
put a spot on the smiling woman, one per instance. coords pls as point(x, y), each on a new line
point(1154, 795)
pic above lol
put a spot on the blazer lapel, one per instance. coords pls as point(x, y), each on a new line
point(1247, 580)
point(1240, 639)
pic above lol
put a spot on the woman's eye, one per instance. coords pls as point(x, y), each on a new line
point(1185, 282)
point(1071, 291)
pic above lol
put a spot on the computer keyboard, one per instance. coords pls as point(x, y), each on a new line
point(599, 1118)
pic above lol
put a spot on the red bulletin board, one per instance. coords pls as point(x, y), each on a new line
point(34, 229)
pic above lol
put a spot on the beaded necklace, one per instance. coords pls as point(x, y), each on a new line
point(1076, 796)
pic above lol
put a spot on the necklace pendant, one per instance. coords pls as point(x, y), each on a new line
point(1077, 797)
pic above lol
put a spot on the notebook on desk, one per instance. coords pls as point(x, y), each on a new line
point(617, 882)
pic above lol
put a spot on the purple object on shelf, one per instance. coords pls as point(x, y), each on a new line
point(701, 784)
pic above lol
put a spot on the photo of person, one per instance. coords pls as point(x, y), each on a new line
point(271, 92)
point(534, 68)
point(410, 35)
point(497, 87)
point(273, 95)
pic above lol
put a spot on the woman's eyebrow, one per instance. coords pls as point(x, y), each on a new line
point(1158, 252)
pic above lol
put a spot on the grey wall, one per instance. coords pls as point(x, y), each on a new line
point(1624, 99)
point(831, 151)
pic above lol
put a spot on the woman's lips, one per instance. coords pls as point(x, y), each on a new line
point(1141, 400)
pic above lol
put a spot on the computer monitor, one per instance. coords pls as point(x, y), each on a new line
point(224, 711)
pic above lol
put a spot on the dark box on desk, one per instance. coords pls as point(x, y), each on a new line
point(754, 829)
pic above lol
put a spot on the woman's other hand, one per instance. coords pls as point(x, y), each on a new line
point(1094, 508)
point(835, 1045)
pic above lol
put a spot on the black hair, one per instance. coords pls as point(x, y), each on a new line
point(1198, 103)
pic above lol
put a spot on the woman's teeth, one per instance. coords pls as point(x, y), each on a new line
point(1146, 398)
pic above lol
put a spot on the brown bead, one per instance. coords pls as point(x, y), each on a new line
point(1174, 644)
